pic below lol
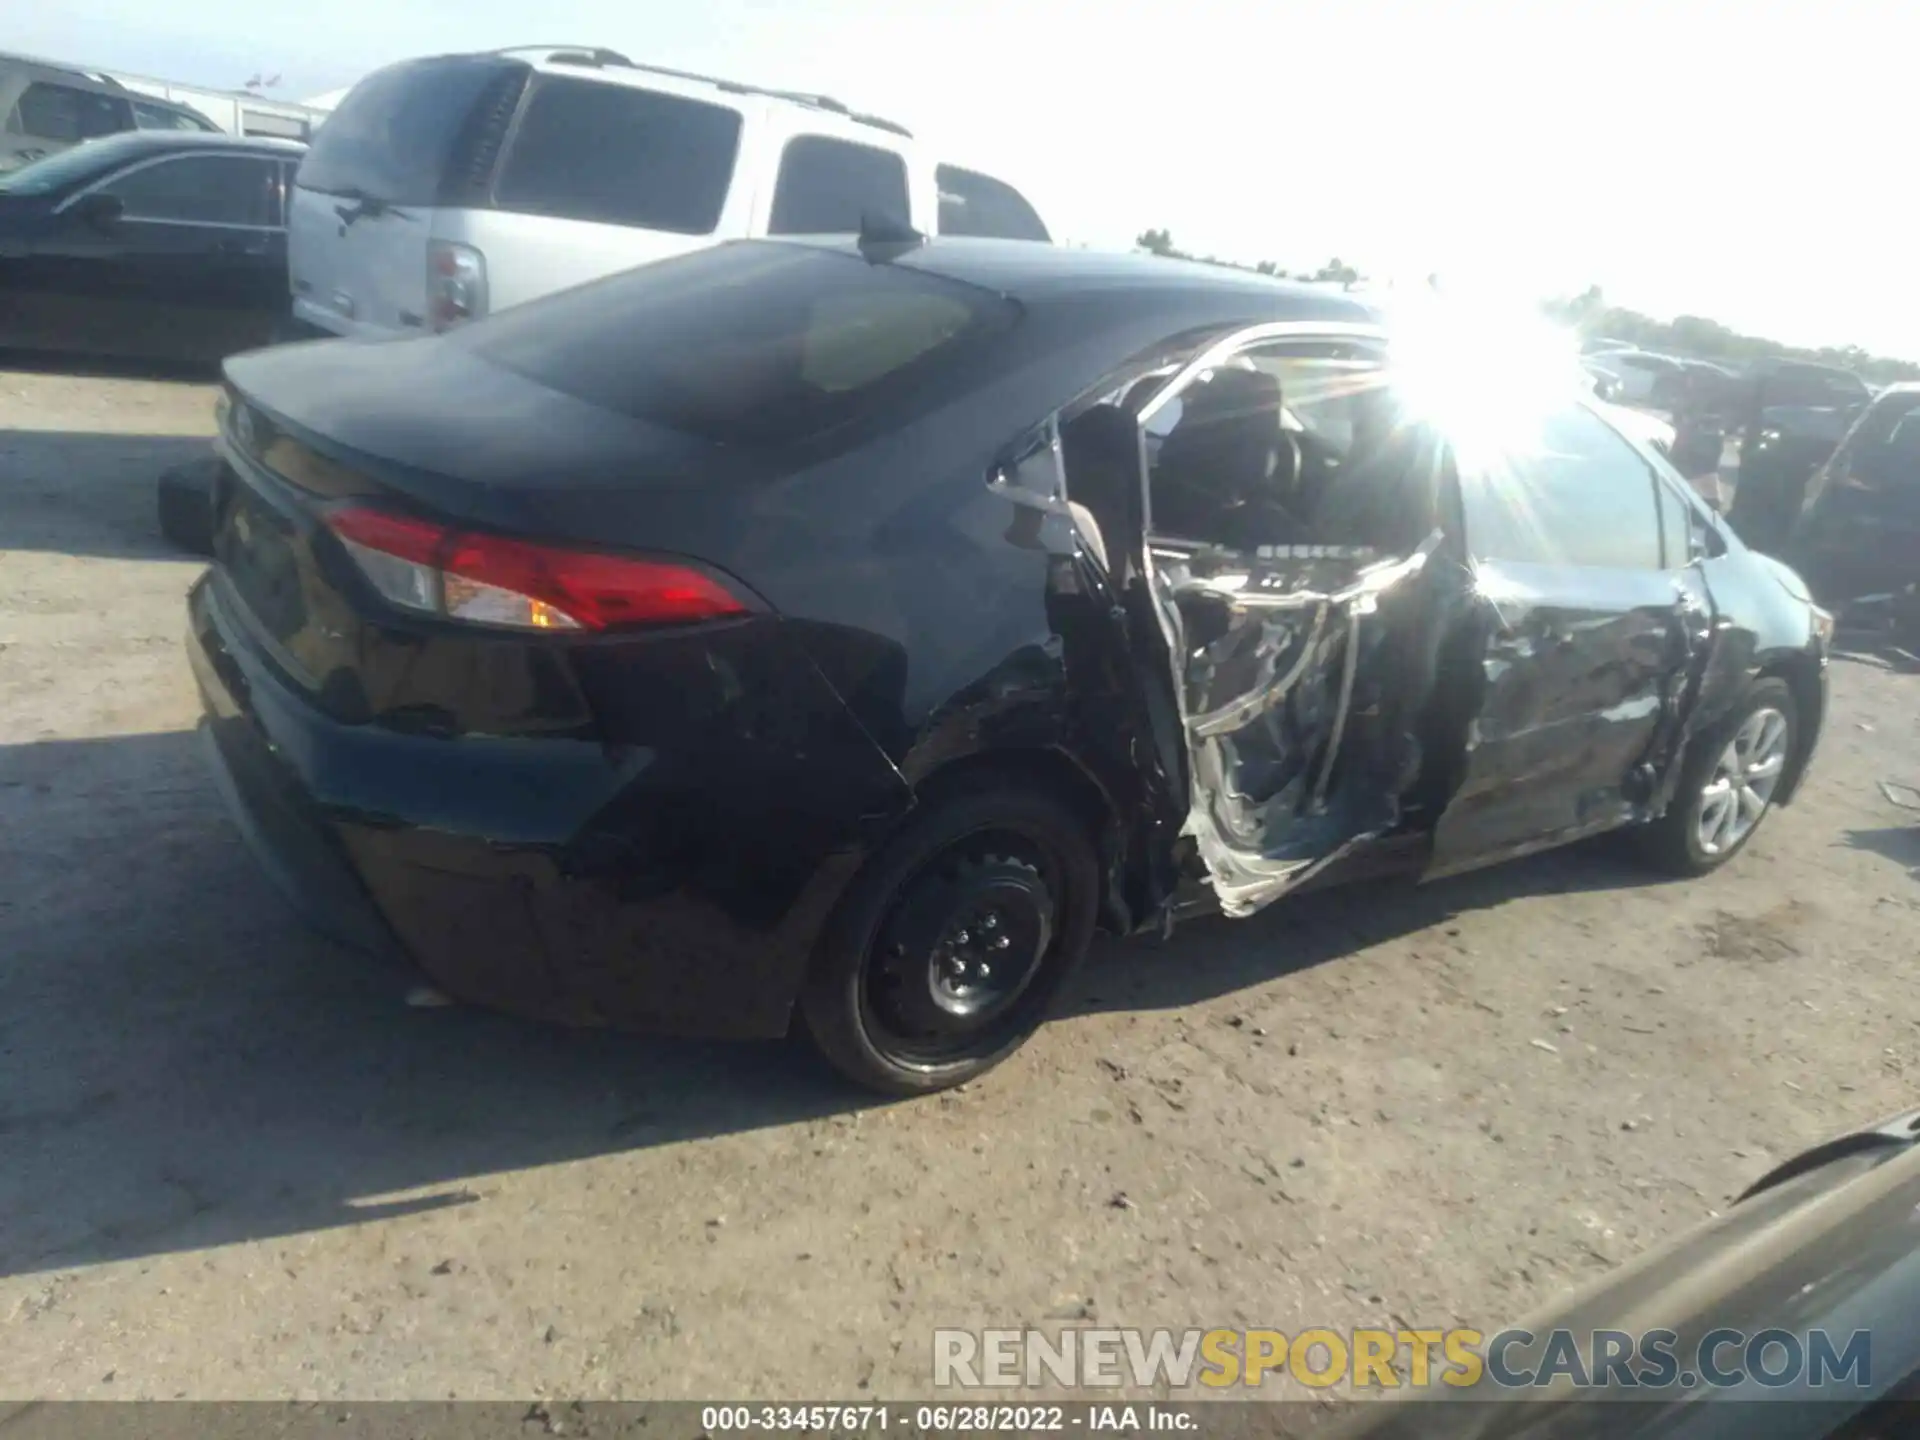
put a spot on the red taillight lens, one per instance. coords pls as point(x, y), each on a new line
point(493, 580)
point(599, 592)
point(399, 536)
point(456, 284)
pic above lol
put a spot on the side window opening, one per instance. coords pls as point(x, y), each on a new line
point(1289, 445)
point(62, 112)
point(164, 117)
point(979, 205)
point(1890, 458)
point(825, 186)
point(1293, 509)
point(1571, 492)
point(1906, 435)
point(200, 189)
point(620, 155)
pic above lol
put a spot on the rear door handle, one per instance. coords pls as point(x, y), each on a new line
point(241, 247)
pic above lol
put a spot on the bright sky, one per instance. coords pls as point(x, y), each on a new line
point(1732, 158)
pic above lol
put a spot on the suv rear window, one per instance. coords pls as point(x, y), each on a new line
point(62, 112)
point(826, 185)
point(621, 156)
point(394, 137)
point(754, 344)
point(975, 204)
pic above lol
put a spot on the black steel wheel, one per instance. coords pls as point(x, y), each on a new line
point(950, 946)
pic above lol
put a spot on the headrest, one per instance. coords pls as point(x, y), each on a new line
point(1229, 393)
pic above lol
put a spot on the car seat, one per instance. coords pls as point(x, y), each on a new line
point(1228, 472)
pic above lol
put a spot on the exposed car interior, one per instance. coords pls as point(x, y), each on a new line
point(1289, 511)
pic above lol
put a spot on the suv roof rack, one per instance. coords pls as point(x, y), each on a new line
point(62, 67)
point(600, 57)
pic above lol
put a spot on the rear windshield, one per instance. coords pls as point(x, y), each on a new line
point(393, 137)
point(620, 155)
point(755, 344)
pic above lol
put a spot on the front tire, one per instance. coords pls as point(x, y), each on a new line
point(1727, 784)
point(950, 947)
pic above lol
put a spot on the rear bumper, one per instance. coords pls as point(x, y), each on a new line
point(514, 873)
point(317, 322)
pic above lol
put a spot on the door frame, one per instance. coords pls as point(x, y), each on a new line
point(1257, 882)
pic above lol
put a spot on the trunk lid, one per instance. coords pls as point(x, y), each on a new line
point(419, 427)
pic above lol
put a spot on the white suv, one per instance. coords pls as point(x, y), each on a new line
point(444, 188)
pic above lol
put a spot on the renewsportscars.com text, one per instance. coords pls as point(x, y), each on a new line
point(1460, 1358)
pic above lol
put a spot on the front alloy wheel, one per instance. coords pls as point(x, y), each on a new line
point(1742, 783)
point(1727, 783)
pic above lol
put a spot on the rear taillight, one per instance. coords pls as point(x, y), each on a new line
point(493, 580)
point(456, 284)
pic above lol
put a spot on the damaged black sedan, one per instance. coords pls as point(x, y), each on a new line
point(809, 635)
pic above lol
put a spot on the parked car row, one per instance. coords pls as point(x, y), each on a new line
point(444, 189)
point(447, 188)
point(162, 245)
point(1828, 472)
point(46, 108)
point(1857, 535)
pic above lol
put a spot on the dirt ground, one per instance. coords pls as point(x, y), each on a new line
point(234, 1164)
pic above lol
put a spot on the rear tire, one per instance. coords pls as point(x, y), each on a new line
point(1727, 784)
point(185, 502)
point(951, 945)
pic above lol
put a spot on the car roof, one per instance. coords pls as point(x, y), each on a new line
point(96, 80)
point(596, 62)
point(1029, 270)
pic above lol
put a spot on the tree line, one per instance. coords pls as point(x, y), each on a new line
point(1160, 242)
point(1703, 339)
point(1588, 312)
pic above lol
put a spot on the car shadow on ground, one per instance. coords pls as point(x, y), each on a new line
point(1876, 649)
point(183, 1065)
point(109, 367)
point(1211, 956)
point(1898, 843)
point(93, 494)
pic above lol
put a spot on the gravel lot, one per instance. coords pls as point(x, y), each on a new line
point(234, 1164)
